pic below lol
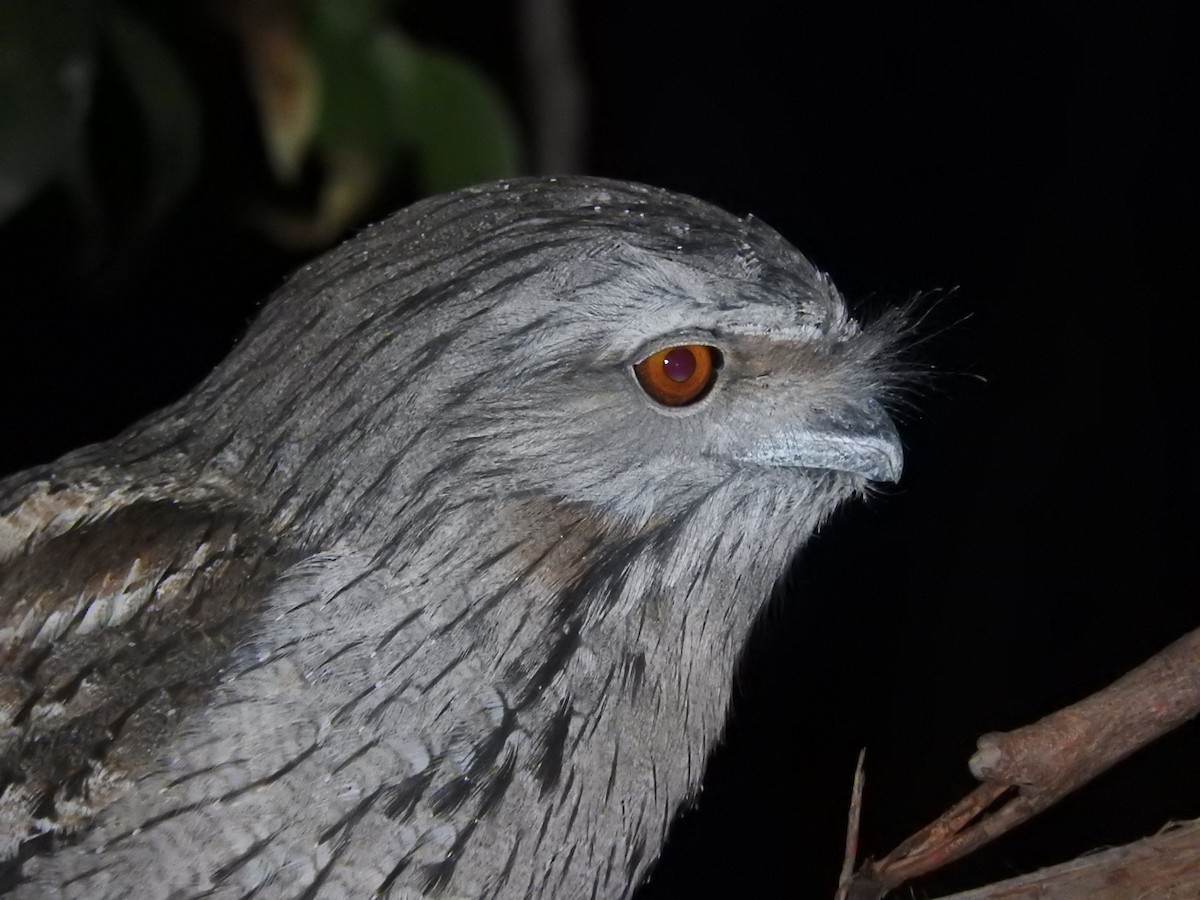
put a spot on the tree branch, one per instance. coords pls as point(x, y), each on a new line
point(1029, 769)
point(555, 86)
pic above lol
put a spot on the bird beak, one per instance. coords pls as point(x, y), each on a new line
point(856, 438)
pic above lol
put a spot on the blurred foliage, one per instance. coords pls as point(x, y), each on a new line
point(346, 103)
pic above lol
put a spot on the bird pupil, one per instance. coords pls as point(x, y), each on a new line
point(679, 364)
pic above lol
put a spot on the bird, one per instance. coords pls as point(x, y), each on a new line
point(436, 586)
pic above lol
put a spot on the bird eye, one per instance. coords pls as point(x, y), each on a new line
point(679, 375)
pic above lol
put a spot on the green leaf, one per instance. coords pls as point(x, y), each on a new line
point(462, 129)
point(354, 103)
point(168, 106)
point(346, 20)
point(47, 66)
point(456, 123)
point(396, 62)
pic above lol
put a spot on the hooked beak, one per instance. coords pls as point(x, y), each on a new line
point(858, 438)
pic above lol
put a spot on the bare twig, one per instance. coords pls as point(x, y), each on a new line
point(852, 828)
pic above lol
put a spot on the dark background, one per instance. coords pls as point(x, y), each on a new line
point(1038, 160)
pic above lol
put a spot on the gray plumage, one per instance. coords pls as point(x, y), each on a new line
point(420, 593)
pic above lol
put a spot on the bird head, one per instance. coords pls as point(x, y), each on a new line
point(580, 341)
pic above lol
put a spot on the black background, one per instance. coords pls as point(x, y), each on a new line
point(1038, 160)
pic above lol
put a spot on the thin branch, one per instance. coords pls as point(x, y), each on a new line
point(853, 826)
point(1165, 867)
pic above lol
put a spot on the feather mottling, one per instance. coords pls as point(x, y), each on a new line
point(418, 594)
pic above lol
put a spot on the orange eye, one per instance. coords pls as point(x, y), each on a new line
point(679, 375)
